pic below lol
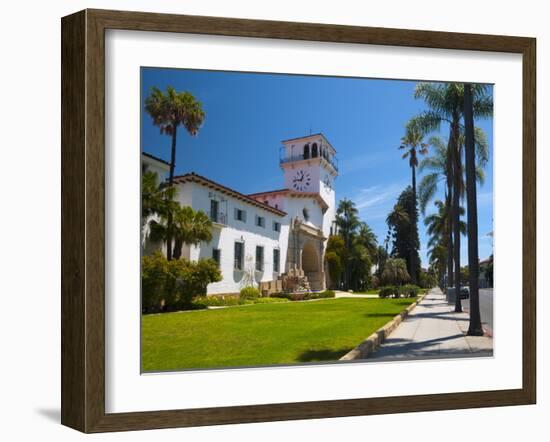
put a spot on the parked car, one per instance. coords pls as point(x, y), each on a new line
point(465, 292)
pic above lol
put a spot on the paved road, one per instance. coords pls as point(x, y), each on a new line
point(485, 306)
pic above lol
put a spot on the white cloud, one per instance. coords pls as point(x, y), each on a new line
point(376, 201)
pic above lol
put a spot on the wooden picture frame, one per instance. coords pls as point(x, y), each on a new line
point(83, 220)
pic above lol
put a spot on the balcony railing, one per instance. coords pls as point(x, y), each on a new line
point(333, 161)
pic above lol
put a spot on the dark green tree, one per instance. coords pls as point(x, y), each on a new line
point(380, 260)
point(413, 144)
point(335, 257)
point(347, 221)
point(404, 237)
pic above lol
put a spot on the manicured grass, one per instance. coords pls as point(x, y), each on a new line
point(262, 334)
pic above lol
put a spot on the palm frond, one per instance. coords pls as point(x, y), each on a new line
point(427, 190)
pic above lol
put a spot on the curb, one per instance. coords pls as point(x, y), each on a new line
point(374, 341)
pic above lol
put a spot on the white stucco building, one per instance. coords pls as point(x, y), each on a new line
point(275, 239)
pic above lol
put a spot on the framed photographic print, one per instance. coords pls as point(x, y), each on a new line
point(267, 221)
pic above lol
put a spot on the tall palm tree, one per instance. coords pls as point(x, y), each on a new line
point(475, 327)
point(347, 221)
point(154, 195)
point(436, 224)
point(446, 105)
point(437, 228)
point(412, 143)
point(169, 111)
point(398, 215)
point(439, 170)
point(437, 255)
point(437, 166)
point(190, 228)
point(367, 239)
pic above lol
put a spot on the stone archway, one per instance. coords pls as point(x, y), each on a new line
point(311, 266)
point(310, 260)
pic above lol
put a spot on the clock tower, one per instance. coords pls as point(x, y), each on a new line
point(310, 167)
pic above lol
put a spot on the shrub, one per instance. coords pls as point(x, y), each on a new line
point(269, 300)
point(326, 294)
point(218, 301)
point(280, 295)
point(191, 279)
point(410, 290)
point(174, 283)
point(304, 296)
point(154, 269)
point(250, 293)
point(387, 291)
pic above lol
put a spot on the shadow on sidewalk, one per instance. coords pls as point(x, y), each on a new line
point(405, 348)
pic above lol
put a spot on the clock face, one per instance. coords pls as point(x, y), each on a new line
point(327, 182)
point(301, 180)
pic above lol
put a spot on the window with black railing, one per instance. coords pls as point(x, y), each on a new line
point(239, 255)
point(259, 258)
point(216, 256)
point(214, 211)
point(276, 260)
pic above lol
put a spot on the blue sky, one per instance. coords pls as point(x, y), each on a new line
point(248, 114)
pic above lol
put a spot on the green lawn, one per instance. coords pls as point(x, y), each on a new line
point(262, 334)
point(368, 292)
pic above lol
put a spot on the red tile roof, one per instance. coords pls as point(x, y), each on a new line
point(160, 160)
point(195, 178)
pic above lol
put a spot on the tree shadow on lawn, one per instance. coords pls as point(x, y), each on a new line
point(325, 354)
point(381, 315)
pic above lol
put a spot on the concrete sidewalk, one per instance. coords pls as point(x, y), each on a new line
point(433, 330)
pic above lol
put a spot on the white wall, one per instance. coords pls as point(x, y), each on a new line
point(295, 207)
point(162, 170)
point(30, 381)
point(224, 237)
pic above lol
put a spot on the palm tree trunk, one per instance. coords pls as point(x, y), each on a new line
point(171, 183)
point(456, 213)
point(475, 328)
point(448, 203)
point(412, 255)
point(347, 272)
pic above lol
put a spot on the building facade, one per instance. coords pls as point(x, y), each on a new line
point(276, 239)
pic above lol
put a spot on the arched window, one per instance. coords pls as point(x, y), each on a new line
point(306, 151)
point(314, 150)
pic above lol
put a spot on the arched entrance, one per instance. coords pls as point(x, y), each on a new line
point(311, 265)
